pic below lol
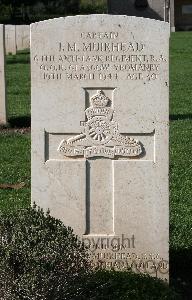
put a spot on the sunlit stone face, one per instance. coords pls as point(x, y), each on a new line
point(100, 135)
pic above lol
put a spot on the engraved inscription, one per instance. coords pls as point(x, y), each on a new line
point(100, 136)
point(100, 56)
point(116, 252)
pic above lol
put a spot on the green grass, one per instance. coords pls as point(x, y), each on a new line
point(181, 162)
point(181, 183)
point(18, 85)
point(15, 152)
point(181, 139)
point(180, 75)
point(15, 168)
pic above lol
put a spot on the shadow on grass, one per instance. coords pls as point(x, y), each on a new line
point(181, 271)
point(11, 61)
point(19, 122)
point(19, 58)
point(180, 117)
point(23, 52)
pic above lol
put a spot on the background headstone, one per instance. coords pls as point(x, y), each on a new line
point(3, 111)
point(100, 134)
point(10, 39)
point(159, 10)
point(172, 15)
point(140, 8)
point(22, 37)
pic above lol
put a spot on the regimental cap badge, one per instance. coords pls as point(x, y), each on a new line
point(100, 136)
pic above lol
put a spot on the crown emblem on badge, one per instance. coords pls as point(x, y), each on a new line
point(99, 100)
point(99, 106)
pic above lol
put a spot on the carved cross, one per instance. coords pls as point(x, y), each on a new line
point(100, 137)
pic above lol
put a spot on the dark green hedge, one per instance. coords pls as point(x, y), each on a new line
point(125, 286)
point(43, 259)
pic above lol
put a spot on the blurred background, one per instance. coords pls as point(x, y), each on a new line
point(29, 11)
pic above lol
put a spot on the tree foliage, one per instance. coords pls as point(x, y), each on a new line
point(25, 10)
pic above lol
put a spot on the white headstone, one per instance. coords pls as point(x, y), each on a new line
point(22, 37)
point(100, 134)
point(10, 39)
point(3, 111)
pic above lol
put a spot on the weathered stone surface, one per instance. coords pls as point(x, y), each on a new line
point(10, 39)
point(100, 134)
point(22, 37)
point(3, 111)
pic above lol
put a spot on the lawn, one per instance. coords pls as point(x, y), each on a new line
point(15, 151)
point(18, 85)
point(181, 161)
point(15, 169)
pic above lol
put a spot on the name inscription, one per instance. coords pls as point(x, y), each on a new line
point(100, 56)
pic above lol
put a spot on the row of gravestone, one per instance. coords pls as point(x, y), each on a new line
point(100, 135)
point(3, 103)
point(12, 38)
point(17, 37)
